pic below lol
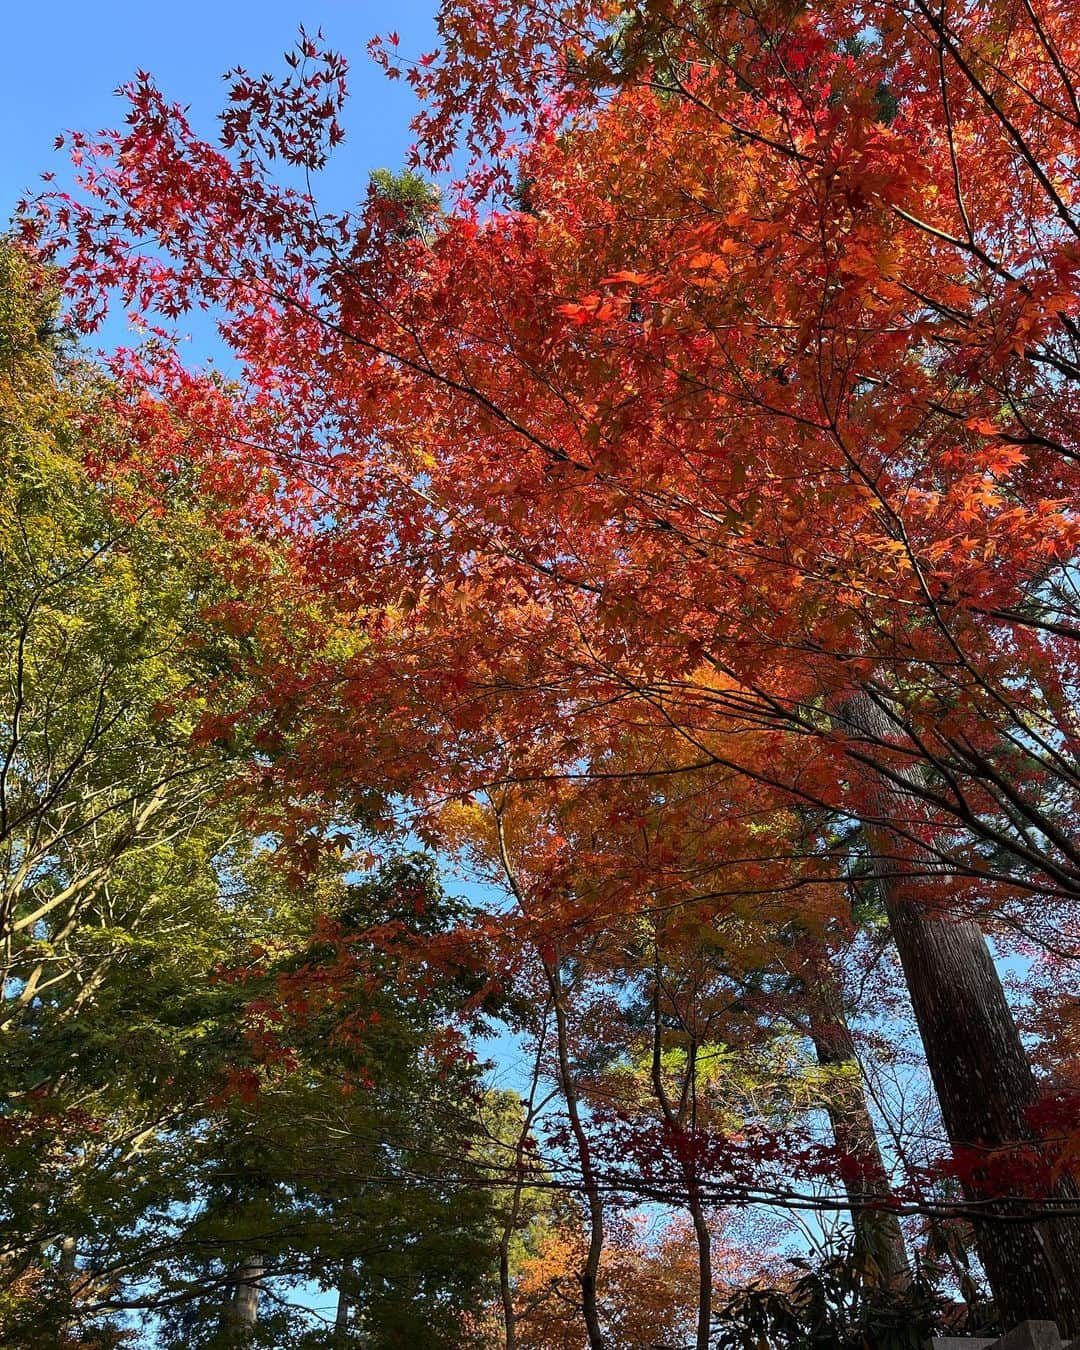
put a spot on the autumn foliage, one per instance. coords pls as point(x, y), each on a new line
point(683, 513)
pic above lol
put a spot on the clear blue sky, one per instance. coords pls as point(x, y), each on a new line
point(66, 58)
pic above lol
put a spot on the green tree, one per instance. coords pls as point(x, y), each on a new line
point(109, 660)
point(359, 1164)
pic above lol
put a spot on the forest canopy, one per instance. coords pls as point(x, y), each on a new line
point(650, 511)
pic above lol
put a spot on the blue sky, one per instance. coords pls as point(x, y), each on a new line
point(65, 59)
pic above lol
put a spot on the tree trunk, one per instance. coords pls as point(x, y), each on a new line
point(510, 1223)
point(675, 1119)
point(879, 1240)
point(704, 1246)
point(241, 1312)
point(67, 1267)
point(344, 1307)
point(977, 1062)
point(506, 1294)
point(591, 1265)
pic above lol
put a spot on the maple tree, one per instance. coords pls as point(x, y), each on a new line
point(752, 413)
point(646, 1285)
point(671, 1077)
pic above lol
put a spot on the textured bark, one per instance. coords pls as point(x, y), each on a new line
point(977, 1062)
point(241, 1312)
point(878, 1235)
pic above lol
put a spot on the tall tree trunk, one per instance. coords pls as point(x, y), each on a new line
point(67, 1267)
point(676, 1119)
point(514, 1212)
point(977, 1062)
point(878, 1235)
point(344, 1305)
point(704, 1246)
point(506, 1293)
point(241, 1312)
point(591, 1266)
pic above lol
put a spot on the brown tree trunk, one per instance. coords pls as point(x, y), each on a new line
point(506, 1294)
point(704, 1246)
point(879, 1240)
point(977, 1062)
